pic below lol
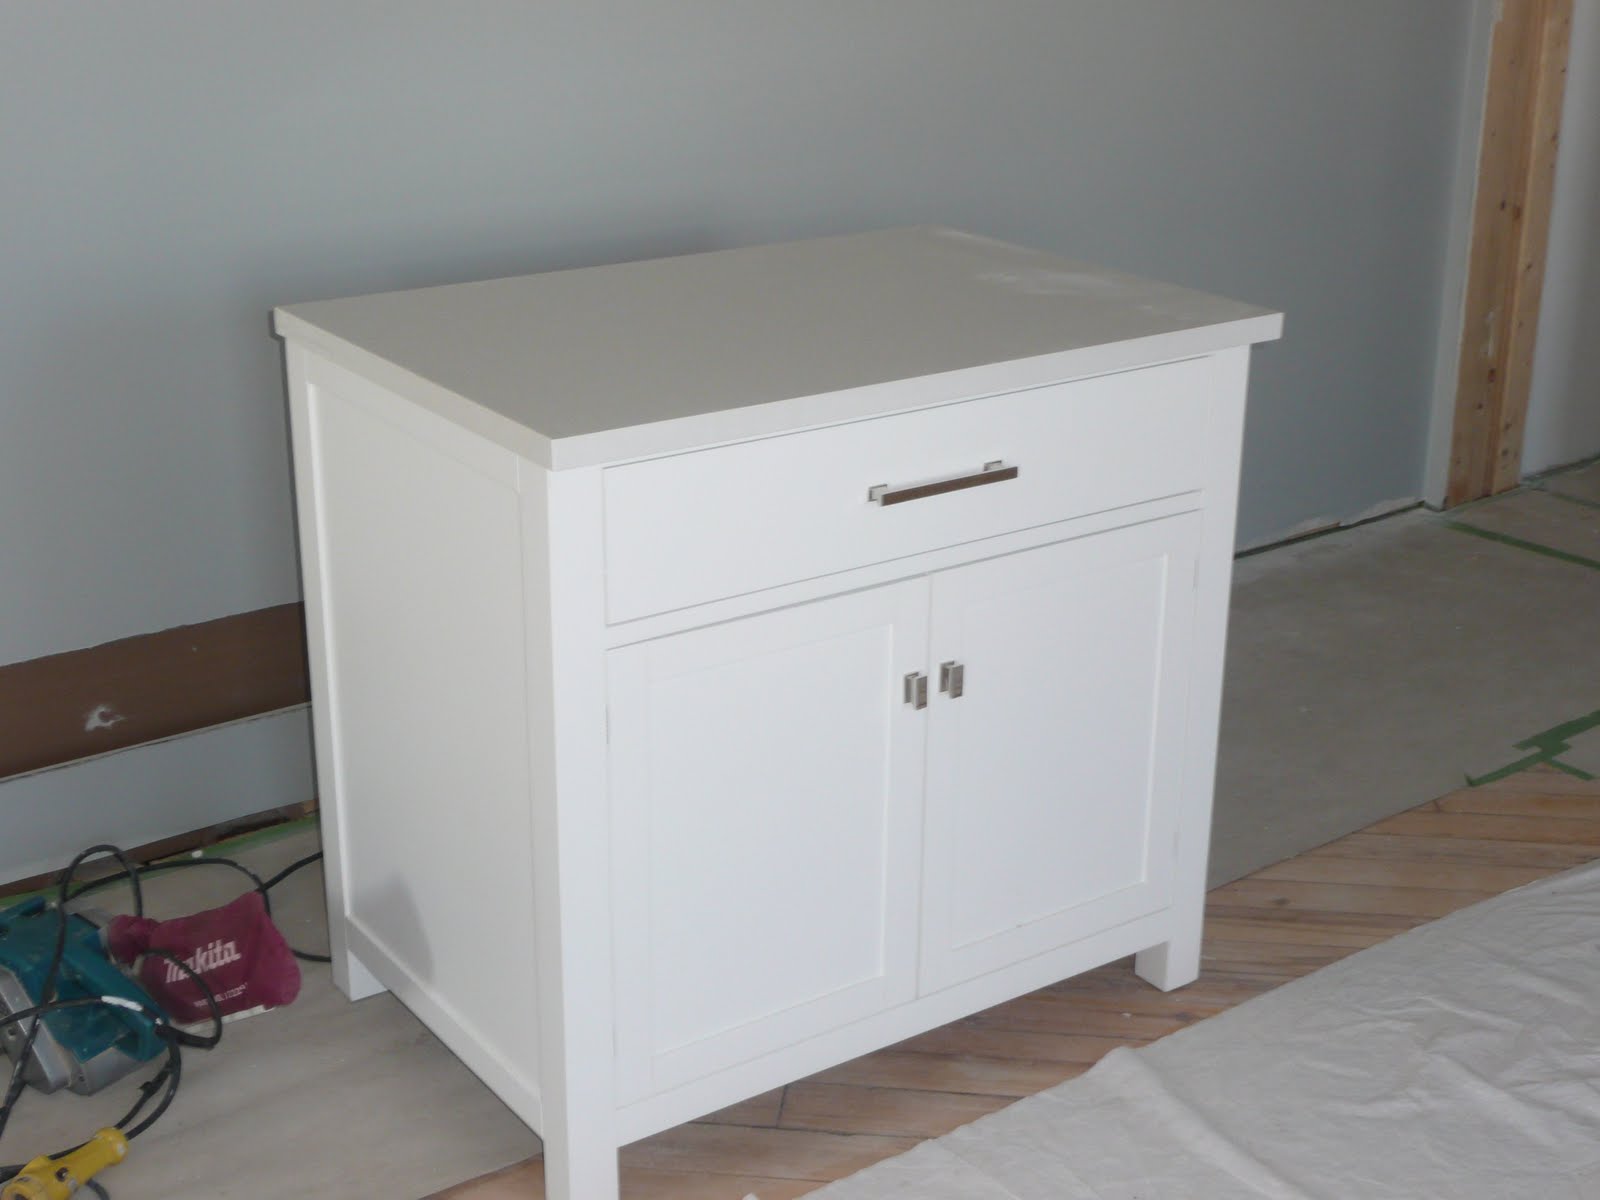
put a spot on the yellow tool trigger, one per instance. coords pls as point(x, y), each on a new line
point(60, 1178)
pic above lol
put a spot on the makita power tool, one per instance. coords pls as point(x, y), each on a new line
point(80, 1048)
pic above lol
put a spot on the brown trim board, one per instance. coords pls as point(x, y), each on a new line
point(1510, 229)
point(69, 706)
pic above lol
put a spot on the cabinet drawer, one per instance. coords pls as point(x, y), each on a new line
point(700, 526)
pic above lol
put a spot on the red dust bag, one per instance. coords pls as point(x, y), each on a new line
point(236, 949)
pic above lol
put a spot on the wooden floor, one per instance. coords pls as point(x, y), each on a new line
point(1261, 931)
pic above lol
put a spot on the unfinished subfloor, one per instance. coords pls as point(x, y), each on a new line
point(1373, 668)
point(1369, 670)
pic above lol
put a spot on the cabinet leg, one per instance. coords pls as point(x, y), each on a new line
point(1171, 964)
point(583, 1171)
point(351, 976)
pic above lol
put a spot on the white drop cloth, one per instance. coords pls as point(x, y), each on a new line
point(1460, 1061)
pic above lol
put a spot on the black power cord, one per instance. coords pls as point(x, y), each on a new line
point(167, 1079)
point(264, 887)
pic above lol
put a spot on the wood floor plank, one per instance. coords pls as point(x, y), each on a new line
point(949, 1073)
point(1551, 856)
point(525, 1181)
point(1295, 957)
point(1254, 929)
point(1276, 925)
point(1220, 908)
point(702, 1185)
point(1046, 1013)
point(1120, 987)
point(897, 1112)
point(1315, 868)
point(975, 1041)
point(1435, 824)
point(1566, 806)
point(758, 1110)
point(774, 1153)
point(1199, 1000)
point(1346, 898)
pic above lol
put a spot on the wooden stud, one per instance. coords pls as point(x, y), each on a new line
point(1511, 222)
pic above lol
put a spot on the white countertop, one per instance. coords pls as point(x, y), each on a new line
point(572, 368)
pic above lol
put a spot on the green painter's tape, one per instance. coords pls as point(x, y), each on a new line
point(270, 833)
point(1569, 769)
point(224, 849)
point(1506, 539)
point(1546, 478)
point(1583, 500)
point(1522, 764)
point(1546, 746)
point(1556, 738)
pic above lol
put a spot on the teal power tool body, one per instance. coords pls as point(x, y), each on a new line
point(81, 1048)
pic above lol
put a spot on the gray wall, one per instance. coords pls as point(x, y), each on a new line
point(172, 170)
point(1564, 406)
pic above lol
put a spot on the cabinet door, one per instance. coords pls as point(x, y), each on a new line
point(1054, 777)
point(766, 788)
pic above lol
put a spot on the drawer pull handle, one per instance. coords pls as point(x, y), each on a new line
point(992, 472)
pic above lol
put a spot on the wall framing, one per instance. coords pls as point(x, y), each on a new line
point(1510, 229)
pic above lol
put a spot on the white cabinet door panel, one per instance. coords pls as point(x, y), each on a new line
point(1053, 779)
point(766, 796)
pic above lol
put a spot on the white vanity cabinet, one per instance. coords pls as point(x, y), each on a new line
point(727, 665)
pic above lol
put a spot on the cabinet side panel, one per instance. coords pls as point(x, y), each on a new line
point(422, 590)
point(1177, 961)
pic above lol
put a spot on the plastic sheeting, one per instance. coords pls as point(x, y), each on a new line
point(1460, 1061)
